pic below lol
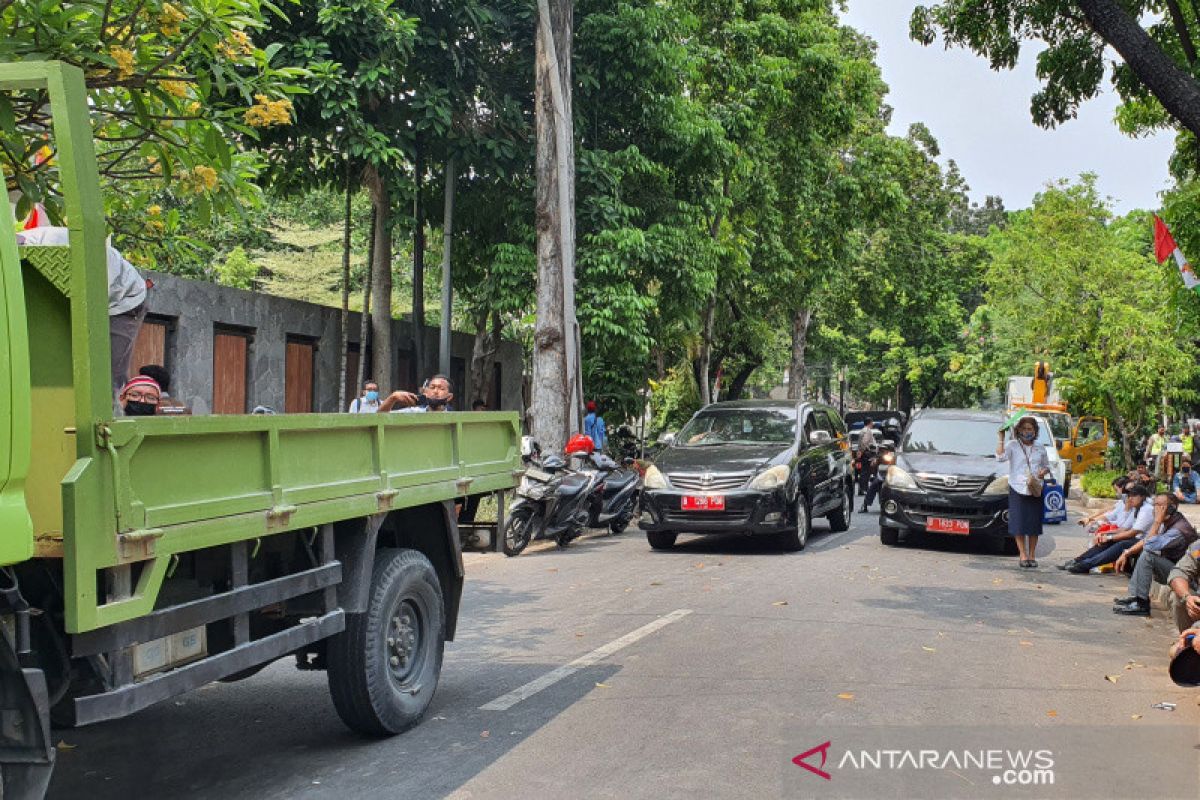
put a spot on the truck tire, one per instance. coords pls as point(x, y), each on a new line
point(889, 536)
point(661, 540)
point(384, 667)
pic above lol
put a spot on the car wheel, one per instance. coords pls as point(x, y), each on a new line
point(661, 540)
point(797, 538)
point(889, 536)
point(840, 520)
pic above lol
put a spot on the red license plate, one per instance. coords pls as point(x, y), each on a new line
point(703, 502)
point(942, 525)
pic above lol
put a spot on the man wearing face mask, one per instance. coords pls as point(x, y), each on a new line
point(1184, 484)
point(368, 401)
point(140, 396)
point(436, 395)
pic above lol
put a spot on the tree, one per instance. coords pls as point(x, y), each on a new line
point(1158, 73)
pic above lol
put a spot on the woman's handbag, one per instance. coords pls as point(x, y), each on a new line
point(1033, 484)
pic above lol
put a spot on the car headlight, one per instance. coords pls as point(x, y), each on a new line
point(654, 479)
point(997, 486)
point(771, 478)
point(888, 458)
point(899, 479)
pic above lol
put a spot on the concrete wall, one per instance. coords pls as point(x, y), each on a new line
point(195, 310)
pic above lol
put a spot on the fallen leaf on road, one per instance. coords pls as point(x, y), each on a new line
point(485, 734)
point(655, 583)
point(602, 685)
point(629, 589)
point(699, 565)
point(928, 649)
point(846, 696)
point(1112, 678)
point(1135, 716)
point(552, 569)
point(941, 634)
point(779, 603)
point(62, 745)
point(579, 634)
point(1052, 713)
point(1026, 644)
point(997, 581)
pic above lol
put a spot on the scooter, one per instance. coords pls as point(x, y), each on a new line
point(614, 498)
point(551, 501)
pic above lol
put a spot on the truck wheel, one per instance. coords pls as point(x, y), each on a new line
point(840, 520)
point(518, 530)
point(795, 540)
point(889, 536)
point(661, 540)
point(384, 667)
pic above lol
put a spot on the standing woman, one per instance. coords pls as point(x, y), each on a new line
point(1028, 465)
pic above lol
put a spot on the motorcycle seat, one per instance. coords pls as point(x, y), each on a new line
point(572, 486)
point(619, 480)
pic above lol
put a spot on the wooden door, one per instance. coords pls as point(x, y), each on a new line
point(150, 347)
point(298, 377)
point(230, 360)
point(352, 387)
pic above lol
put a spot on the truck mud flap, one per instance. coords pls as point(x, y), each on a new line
point(26, 752)
point(134, 697)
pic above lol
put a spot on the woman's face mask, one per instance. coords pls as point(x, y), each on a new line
point(1027, 436)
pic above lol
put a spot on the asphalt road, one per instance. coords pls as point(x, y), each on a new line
point(735, 659)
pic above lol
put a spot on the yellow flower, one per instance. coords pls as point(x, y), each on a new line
point(124, 59)
point(193, 107)
point(154, 210)
point(174, 88)
point(155, 167)
point(205, 177)
point(242, 39)
point(169, 19)
point(239, 46)
point(267, 112)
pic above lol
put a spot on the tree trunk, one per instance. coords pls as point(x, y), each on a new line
point(554, 406)
point(479, 357)
point(418, 276)
point(738, 384)
point(1126, 440)
point(704, 362)
point(1178, 92)
point(381, 282)
point(798, 373)
point(447, 288)
point(344, 322)
point(364, 330)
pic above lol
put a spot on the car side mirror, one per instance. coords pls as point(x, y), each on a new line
point(819, 437)
point(667, 438)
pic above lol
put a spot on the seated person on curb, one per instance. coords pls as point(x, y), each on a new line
point(1106, 547)
point(1184, 484)
point(1143, 476)
point(140, 397)
point(1110, 517)
point(435, 395)
point(1184, 581)
point(1156, 554)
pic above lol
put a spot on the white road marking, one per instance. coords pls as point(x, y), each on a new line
point(507, 701)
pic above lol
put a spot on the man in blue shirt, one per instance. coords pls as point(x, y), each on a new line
point(593, 426)
point(1156, 554)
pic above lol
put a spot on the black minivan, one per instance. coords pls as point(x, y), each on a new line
point(946, 479)
point(753, 467)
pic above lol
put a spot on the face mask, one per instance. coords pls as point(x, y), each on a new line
point(135, 408)
point(433, 402)
point(372, 396)
point(1028, 437)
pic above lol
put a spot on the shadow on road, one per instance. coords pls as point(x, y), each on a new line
point(278, 736)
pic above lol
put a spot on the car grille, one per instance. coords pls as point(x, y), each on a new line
point(724, 517)
point(707, 482)
point(950, 484)
point(949, 511)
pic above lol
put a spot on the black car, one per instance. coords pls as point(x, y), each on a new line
point(755, 467)
point(946, 479)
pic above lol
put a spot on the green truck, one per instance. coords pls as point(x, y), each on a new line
point(144, 557)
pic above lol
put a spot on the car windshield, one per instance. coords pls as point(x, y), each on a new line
point(952, 437)
point(739, 426)
point(1060, 425)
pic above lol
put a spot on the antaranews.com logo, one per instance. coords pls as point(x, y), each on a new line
point(1008, 767)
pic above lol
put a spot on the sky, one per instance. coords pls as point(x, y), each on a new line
point(981, 119)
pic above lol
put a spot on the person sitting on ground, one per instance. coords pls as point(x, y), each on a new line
point(1184, 484)
point(1108, 546)
point(126, 298)
point(435, 395)
point(1111, 516)
point(139, 396)
point(1156, 554)
point(1184, 581)
point(1143, 476)
point(167, 405)
point(368, 401)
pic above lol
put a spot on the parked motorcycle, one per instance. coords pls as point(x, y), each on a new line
point(552, 502)
point(614, 496)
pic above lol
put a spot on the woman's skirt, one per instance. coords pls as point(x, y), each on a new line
point(1024, 514)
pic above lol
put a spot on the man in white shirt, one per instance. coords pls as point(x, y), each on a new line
point(368, 401)
point(1108, 547)
point(126, 298)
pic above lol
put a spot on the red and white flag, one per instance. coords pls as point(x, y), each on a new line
point(1165, 247)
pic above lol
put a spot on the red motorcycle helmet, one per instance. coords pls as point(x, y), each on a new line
point(580, 443)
